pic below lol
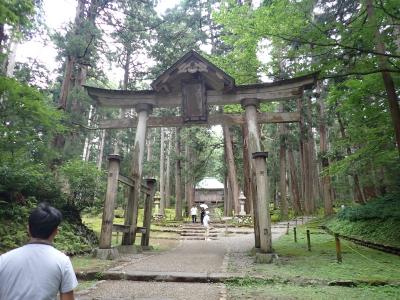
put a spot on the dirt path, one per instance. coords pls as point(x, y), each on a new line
point(190, 259)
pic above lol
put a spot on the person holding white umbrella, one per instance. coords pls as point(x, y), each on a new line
point(203, 211)
point(206, 225)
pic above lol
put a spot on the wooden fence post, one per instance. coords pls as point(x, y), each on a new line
point(338, 250)
point(148, 205)
point(287, 228)
point(308, 240)
point(295, 234)
point(109, 202)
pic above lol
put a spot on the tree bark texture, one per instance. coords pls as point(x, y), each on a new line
point(168, 173)
point(294, 183)
point(387, 76)
point(162, 173)
point(323, 146)
point(178, 176)
point(248, 188)
point(357, 187)
point(282, 168)
point(261, 207)
point(226, 196)
point(101, 149)
point(306, 158)
point(231, 170)
point(136, 174)
point(109, 202)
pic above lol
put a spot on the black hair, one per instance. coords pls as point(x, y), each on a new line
point(43, 220)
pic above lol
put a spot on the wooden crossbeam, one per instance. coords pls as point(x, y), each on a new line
point(280, 90)
point(127, 228)
point(126, 180)
point(121, 228)
point(130, 182)
point(231, 119)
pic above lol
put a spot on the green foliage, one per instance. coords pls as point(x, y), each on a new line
point(377, 221)
point(241, 60)
point(383, 208)
point(13, 225)
point(204, 153)
point(259, 289)
point(296, 263)
point(32, 73)
point(184, 28)
point(79, 41)
point(82, 263)
point(379, 231)
point(242, 221)
point(28, 122)
point(85, 185)
point(16, 12)
point(75, 238)
point(248, 281)
point(21, 180)
point(133, 35)
point(369, 131)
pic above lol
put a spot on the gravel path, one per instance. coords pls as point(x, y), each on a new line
point(154, 291)
point(188, 256)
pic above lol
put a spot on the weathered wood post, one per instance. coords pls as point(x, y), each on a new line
point(109, 202)
point(250, 106)
point(148, 205)
point(295, 234)
point(264, 221)
point(143, 110)
point(308, 240)
point(338, 248)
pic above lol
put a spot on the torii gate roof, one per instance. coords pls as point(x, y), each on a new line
point(189, 64)
point(220, 87)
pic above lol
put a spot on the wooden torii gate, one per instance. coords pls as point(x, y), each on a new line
point(193, 83)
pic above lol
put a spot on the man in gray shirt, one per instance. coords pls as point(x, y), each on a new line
point(38, 270)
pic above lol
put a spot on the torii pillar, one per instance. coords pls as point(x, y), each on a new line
point(143, 110)
point(262, 223)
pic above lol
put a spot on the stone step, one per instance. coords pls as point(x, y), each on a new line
point(200, 234)
point(197, 238)
point(198, 231)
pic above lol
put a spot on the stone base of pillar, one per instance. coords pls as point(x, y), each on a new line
point(254, 251)
point(129, 249)
point(266, 258)
point(158, 217)
point(105, 254)
point(147, 248)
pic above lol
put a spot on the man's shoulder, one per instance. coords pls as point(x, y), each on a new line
point(13, 252)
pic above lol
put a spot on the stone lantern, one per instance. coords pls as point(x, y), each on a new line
point(157, 199)
point(242, 199)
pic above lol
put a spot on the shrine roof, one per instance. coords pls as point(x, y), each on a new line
point(210, 183)
point(192, 64)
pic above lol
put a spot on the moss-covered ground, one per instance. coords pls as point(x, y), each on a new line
point(303, 274)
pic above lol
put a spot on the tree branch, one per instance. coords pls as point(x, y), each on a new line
point(359, 73)
point(336, 44)
point(381, 6)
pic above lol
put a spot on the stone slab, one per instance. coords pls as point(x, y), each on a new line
point(266, 258)
point(129, 249)
point(106, 254)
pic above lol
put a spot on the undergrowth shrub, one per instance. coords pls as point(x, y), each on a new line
point(384, 207)
point(21, 180)
point(377, 221)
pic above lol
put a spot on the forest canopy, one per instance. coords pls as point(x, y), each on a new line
point(348, 141)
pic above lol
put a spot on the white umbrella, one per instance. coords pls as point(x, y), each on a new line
point(205, 206)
